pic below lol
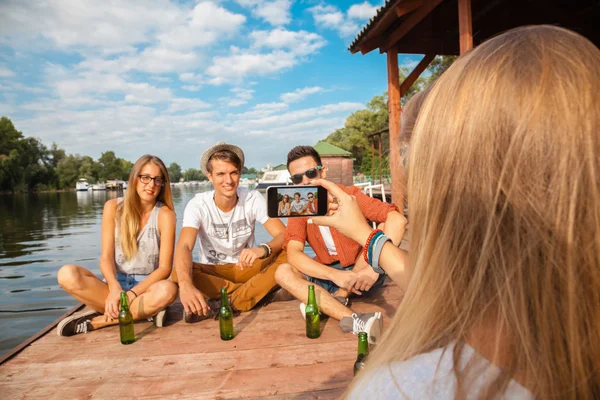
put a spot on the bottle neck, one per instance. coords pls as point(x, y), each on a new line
point(124, 302)
point(311, 296)
point(224, 299)
point(363, 346)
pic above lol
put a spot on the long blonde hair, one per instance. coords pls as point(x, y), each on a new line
point(504, 192)
point(129, 212)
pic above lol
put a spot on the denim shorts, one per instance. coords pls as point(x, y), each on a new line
point(331, 287)
point(128, 281)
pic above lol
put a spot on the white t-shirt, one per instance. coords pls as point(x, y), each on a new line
point(222, 236)
point(431, 376)
point(298, 206)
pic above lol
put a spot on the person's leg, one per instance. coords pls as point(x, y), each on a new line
point(292, 280)
point(84, 286)
point(261, 283)
point(158, 296)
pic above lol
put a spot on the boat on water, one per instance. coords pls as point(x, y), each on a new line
point(82, 185)
point(98, 186)
point(274, 178)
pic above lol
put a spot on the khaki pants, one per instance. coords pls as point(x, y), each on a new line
point(246, 287)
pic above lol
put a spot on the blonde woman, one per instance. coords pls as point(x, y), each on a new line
point(138, 237)
point(284, 206)
point(503, 279)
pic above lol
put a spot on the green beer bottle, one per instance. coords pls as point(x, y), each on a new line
point(363, 352)
point(126, 321)
point(313, 319)
point(225, 317)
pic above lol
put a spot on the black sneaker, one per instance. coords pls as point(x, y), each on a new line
point(277, 295)
point(77, 323)
point(213, 312)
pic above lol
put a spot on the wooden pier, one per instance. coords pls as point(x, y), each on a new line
point(270, 357)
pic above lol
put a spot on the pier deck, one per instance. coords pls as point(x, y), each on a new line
point(270, 357)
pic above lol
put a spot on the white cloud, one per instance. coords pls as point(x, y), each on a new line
point(241, 97)
point(5, 72)
point(330, 17)
point(300, 94)
point(186, 104)
point(111, 25)
point(275, 12)
point(362, 11)
point(145, 93)
point(285, 49)
point(261, 110)
point(192, 88)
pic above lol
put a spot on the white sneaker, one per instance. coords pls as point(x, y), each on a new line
point(159, 319)
point(372, 323)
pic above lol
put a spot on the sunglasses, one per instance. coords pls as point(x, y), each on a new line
point(310, 173)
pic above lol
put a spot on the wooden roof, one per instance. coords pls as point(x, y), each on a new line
point(431, 26)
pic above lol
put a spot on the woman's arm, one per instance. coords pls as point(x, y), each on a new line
point(166, 228)
point(107, 259)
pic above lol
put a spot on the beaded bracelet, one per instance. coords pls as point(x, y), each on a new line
point(268, 250)
point(368, 244)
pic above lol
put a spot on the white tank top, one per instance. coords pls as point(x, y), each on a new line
point(145, 261)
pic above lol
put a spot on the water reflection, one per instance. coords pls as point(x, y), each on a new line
point(38, 234)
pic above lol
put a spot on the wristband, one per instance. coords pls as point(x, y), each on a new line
point(372, 245)
point(267, 249)
point(134, 293)
point(378, 247)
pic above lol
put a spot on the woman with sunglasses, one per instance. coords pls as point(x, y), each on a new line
point(138, 237)
point(284, 206)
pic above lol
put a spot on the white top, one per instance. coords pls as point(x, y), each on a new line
point(223, 235)
point(430, 376)
point(329, 243)
point(298, 206)
point(145, 260)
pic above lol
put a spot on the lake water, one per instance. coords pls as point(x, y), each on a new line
point(38, 234)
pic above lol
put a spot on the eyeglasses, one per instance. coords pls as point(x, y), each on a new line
point(310, 173)
point(145, 179)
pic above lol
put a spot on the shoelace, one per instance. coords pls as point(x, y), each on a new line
point(82, 327)
point(358, 325)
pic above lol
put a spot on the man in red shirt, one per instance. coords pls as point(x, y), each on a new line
point(338, 268)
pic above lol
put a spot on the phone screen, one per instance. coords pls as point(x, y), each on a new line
point(296, 201)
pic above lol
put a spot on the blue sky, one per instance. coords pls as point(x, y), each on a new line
point(172, 78)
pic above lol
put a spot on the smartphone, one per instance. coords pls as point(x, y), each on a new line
point(296, 201)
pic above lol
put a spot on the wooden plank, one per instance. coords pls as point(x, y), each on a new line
point(394, 110)
point(415, 73)
point(407, 6)
point(465, 25)
point(38, 335)
point(413, 19)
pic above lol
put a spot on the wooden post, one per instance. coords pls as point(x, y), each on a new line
point(394, 109)
point(465, 25)
point(372, 160)
point(380, 160)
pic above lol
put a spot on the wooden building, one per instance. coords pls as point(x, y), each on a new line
point(339, 163)
point(452, 27)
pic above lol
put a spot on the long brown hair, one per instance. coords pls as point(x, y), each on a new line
point(129, 212)
point(504, 191)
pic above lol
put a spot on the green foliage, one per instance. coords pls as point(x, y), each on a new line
point(26, 164)
point(192, 174)
point(175, 173)
point(353, 136)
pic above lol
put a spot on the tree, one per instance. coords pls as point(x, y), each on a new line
point(110, 166)
point(192, 174)
point(437, 67)
point(174, 172)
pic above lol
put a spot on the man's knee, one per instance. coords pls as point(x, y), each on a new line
point(69, 277)
point(285, 273)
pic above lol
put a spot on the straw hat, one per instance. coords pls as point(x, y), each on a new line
point(216, 148)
